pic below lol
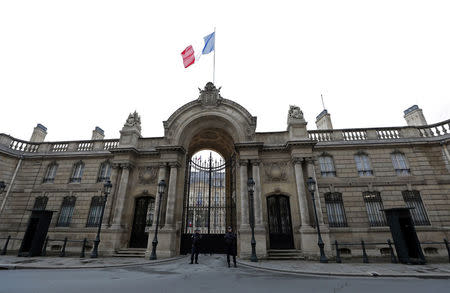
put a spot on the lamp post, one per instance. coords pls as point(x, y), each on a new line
point(251, 190)
point(312, 187)
point(161, 187)
point(106, 191)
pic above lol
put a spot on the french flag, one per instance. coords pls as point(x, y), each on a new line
point(188, 56)
point(188, 53)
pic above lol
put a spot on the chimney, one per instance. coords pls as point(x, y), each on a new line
point(98, 133)
point(414, 116)
point(39, 133)
point(323, 120)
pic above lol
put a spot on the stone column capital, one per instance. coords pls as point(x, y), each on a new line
point(128, 166)
point(310, 160)
point(297, 160)
point(243, 162)
point(255, 162)
point(162, 165)
point(174, 165)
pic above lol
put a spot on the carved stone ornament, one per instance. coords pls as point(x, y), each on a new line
point(148, 175)
point(133, 120)
point(295, 112)
point(275, 171)
point(210, 95)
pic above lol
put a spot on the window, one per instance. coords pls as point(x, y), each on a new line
point(151, 212)
point(40, 203)
point(104, 172)
point(400, 164)
point(50, 173)
point(414, 201)
point(363, 165)
point(77, 172)
point(199, 198)
point(327, 166)
point(65, 216)
point(335, 209)
point(95, 211)
point(374, 206)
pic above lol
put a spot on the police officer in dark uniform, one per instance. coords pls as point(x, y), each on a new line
point(196, 238)
point(230, 241)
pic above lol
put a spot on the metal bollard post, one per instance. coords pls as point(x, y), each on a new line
point(365, 258)
point(338, 253)
point(63, 250)
point(44, 249)
point(83, 248)
point(448, 248)
point(393, 258)
point(5, 248)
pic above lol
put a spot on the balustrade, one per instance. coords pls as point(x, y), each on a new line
point(23, 146)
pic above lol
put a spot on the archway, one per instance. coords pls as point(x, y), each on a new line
point(209, 195)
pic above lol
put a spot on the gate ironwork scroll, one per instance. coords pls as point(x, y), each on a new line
point(209, 203)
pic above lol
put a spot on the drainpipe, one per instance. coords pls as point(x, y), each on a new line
point(11, 184)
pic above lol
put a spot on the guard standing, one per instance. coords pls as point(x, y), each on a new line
point(230, 241)
point(196, 238)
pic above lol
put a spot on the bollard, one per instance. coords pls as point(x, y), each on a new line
point(365, 258)
point(5, 248)
point(448, 248)
point(393, 258)
point(63, 250)
point(83, 248)
point(338, 253)
point(44, 249)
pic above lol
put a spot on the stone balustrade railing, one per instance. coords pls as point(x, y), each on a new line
point(381, 133)
point(57, 147)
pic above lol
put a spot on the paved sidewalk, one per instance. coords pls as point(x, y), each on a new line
point(13, 262)
point(441, 271)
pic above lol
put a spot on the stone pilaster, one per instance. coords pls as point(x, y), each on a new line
point(301, 192)
point(171, 194)
point(121, 194)
point(243, 177)
point(257, 194)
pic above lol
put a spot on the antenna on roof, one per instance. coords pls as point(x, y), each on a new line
point(323, 104)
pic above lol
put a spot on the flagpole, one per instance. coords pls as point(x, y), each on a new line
point(214, 62)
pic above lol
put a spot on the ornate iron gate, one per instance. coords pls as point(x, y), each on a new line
point(209, 203)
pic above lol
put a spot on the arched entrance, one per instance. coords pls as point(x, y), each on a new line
point(280, 225)
point(139, 237)
point(209, 201)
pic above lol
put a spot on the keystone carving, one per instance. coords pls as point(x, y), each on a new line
point(210, 96)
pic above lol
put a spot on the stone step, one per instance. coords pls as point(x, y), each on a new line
point(130, 252)
point(284, 254)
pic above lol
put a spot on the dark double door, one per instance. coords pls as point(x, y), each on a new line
point(139, 237)
point(280, 226)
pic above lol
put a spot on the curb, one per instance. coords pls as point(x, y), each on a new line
point(358, 275)
point(37, 267)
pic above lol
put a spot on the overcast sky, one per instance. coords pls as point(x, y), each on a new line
point(74, 65)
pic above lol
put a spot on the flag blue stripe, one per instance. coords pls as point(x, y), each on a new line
point(209, 43)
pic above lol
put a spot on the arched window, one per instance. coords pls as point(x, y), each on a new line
point(65, 215)
point(335, 209)
point(414, 201)
point(77, 172)
point(363, 165)
point(50, 173)
point(40, 203)
point(374, 207)
point(95, 211)
point(327, 166)
point(400, 164)
point(104, 173)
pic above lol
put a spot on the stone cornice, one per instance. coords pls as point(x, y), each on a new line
point(248, 145)
point(171, 149)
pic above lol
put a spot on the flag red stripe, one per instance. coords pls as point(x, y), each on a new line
point(188, 56)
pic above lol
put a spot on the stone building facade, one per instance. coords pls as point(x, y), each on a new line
point(358, 173)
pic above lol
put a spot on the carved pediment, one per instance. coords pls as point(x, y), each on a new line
point(210, 95)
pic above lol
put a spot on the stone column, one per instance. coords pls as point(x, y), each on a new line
point(171, 194)
point(257, 194)
point(244, 194)
point(161, 176)
point(120, 198)
point(301, 192)
point(312, 173)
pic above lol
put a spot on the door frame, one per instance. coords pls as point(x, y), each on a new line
point(289, 236)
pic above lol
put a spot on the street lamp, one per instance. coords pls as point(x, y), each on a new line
point(251, 190)
point(106, 191)
point(161, 188)
point(312, 187)
point(2, 186)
